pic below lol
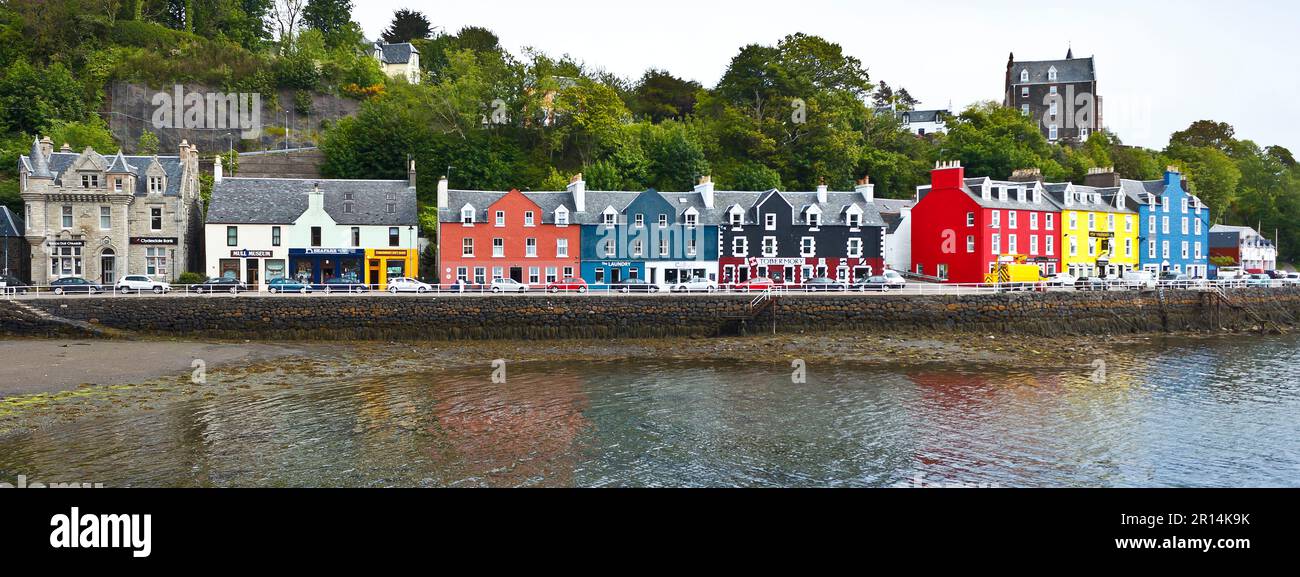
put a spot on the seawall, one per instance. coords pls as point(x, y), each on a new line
point(547, 317)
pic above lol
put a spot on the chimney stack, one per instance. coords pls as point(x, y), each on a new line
point(578, 188)
point(410, 172)
point(866, 189)
point(216, 170)
point(1102, 177)
point(821, 192)
point(947, 174)
point(443, 196)
point(1027, 175)
point(316, 200)
point(705, 188)
point(47, 147)
point(66, 148)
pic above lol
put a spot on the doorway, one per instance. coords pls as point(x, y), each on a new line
point(615, 275)
point(251, 269)
point(517, 274)
point(108, 268)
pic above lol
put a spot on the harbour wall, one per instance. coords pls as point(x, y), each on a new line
point(384, 317)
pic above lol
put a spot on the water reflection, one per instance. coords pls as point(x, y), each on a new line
point(1211, 412)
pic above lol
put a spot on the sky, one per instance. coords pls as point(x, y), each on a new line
point(1161, 64)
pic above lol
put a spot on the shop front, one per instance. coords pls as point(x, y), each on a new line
point(795, 271)
point(608, 272)
point(668, 273)
point(318, 265)
point(390, 263)
point(253, 267)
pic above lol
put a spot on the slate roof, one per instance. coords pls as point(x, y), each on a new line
point(10, 225)
point(283, 200)
point(396, 53)
point(1137, 190)
point(1056, 191)
point(59, 164)
point(1072, 70)
point(923, 115)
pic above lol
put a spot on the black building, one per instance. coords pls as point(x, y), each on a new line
point(1060, 95)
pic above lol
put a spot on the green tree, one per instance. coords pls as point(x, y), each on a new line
point(333, 18)
point(80, 134)
point(659, 96)
point(1204, 133)
point(32, 98)
point(148, 143)
point(407, 25)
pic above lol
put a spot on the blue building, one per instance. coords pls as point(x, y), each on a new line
point(661, 238)
point(1175, 225)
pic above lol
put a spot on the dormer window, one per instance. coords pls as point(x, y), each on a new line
point(1051, 74)
point(855, 220)
point(814, 219)
point(90, 181)
point(1024, 75)
point(347, 208)
point(561, 216)
point(691, 219)
point(467, 215)
point(737, 218)
point(156, 184)
point(608, 218)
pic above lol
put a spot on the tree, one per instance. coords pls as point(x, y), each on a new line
point(992, 140)
point(148, 143)
point(32, 99)
point(287, 15)
point(407, 25)
point(332, 17)
point(660, 96)
point(1204, 133)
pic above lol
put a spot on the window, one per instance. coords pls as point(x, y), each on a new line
point(530, 248)
point(1024, 109)
point(1074, 221)
point(690, 246)
point(390, 208)
point(1033, 244)
point(997, 244)
point(534, 275)
point(1050, 242)
point(1024, 93)
point(970, 219)
point(1024, 75)
point(467, 247)
point(561, 218)
point(467, 216)
point(1051, 131)
point(90, 181)
point(691, 219)
point(609, 248)
point(568, 272)
point(970, 243)
point(814, 219)
point(639, 221)
point(1151, 249)
point(561, 247)
point(769, 246)
point(1051, 90)
point(480, 275)
point(275, 236)
point(942, 272)
point(66, 261)
point(462, 274)
point(737, 218)
point(740, 246)
point(1185, 228)
point(807, 246)
point(155, 184)
point(105, 217)
point(608, 219)
point(1128, 247)
point(155, 261)
point(529, 219)
point(550, 274)
point(1184, 205)
point(769, 221)
point(501, 218)
point(1051, 75)
point(1184, 251)
point(155, 217)
point(347, 208)
point(498, 248)
point(1033, 221)
point(1092, 247)
point(1128, 223)
point(1052, 109)
point(232, 236)
point(1083, 133)
point(1164, 225)
point(1197, 227)
point(855, 248)
point(996, 219)
point(67, 216)
point(855, 220)
point(356, 236)
point(315, 236)
point(394, 236)
point(1011, 219)
point(663, 220)
point(1198, 250)
point(663, 247)
point(1012, 245)
point(1050, 220)
point(637, 248)
point(1074, 246)
point(1164, 249)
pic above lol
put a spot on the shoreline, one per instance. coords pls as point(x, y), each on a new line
point(53, 366)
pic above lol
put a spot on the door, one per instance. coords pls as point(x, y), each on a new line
point(108, 264)
point(251, 269)
point(517, 274)
point(373, 278)
point(615, 275)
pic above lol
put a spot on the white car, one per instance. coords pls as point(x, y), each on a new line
point(138, 283)
point(408, 285)
point(695, 284)
point(896, 280)
point(508, 285)
point(1137, 280)
point(1063, 279)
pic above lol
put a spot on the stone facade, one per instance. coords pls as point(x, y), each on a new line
point(548, 317)
point(102, 218)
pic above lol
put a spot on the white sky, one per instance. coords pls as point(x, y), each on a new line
point(1161, 64)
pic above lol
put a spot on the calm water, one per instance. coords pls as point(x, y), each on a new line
point(1221, 412)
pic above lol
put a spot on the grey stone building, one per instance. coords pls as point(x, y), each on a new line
point(1059, 95)
point(101, 218)
point(14, 255)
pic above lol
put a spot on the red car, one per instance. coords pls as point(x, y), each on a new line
point(567, 285)
point(757, 283)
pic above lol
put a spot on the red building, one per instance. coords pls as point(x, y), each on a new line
point(484, 235)
point(961, 226)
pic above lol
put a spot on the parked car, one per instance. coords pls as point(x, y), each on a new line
point(1137, 280)
point(873, 283)
point(288, 285)
point(1176, 280)
point(1091, 283)
point(695, 284)
point(822, 283)
point(219, 285)
point(634, 285)
point(1230, 273)
point(13, 285)
point(1275, 274)
point(1062, 279)
point(896, 280)
point(340, 284)
point(73, 285)
point(758, 283)
point(1292, 278)
point(508, 285)
point(568, 285)
point(141, 283)
point(1259, 280)
point(408, 285)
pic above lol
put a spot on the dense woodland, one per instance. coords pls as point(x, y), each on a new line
point(788, 115)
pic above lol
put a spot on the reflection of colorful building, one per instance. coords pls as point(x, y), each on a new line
point(962, 227)
point(526, 236)
point(259, 229)
point(1099, 229)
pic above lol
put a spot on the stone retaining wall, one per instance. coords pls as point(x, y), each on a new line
point(546, 317)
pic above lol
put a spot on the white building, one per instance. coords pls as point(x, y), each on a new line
point(399, 60)
point(259, 229)
point(1251, 250)
point(897, 215)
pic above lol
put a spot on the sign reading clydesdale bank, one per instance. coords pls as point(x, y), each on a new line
point(154, 240)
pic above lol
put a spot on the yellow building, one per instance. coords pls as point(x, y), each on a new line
point(385, 263)
point(1099, 232)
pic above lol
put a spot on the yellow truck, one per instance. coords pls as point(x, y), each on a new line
point(1012, 272)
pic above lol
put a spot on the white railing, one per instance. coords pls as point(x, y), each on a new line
point(910, 288)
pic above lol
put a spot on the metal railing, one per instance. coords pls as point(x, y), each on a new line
point(758, 293)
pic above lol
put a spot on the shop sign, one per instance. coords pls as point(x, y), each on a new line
point(154, 240)
point(251, 254)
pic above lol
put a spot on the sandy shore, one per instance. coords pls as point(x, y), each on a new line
point(48, 366)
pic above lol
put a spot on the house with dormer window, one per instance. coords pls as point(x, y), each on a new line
point(1100, 231)
point(1167, 201)
point(104, 217)
point(1060, 96)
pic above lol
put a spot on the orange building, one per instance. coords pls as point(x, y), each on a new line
point(484, 235)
